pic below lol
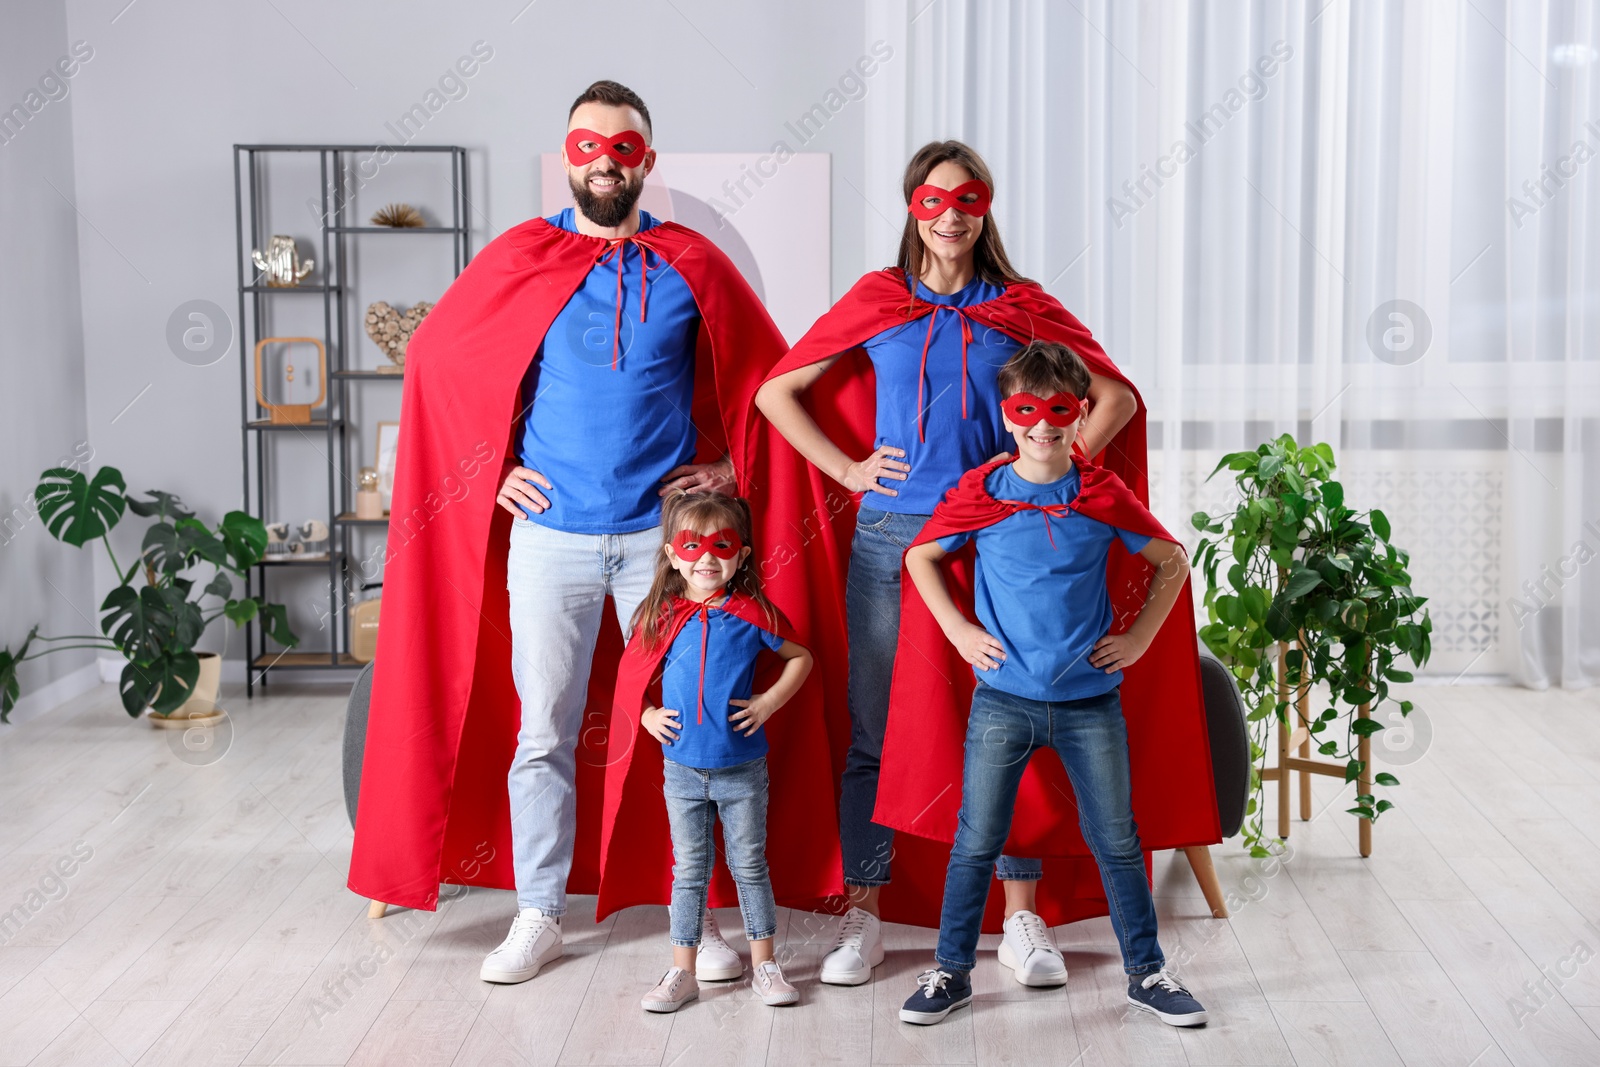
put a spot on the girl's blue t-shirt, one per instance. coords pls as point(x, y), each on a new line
point(605, 436)
point(953, 445)
point(1047, 606)
point(708, 740)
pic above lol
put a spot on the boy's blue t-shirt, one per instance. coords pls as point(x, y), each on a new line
point(605, 437)
point(709, 741)
point(1047, 606)
point(954, 445)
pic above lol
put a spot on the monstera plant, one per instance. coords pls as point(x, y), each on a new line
point(157, 612)
point(1303, 594)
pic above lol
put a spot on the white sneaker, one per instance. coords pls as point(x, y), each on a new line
point(534, 940)
point(715, 960)
point(676, 988)
point(1027, 950)
point(857, 949)
point(772, 987)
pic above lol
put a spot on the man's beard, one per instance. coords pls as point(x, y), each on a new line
point(610, 210)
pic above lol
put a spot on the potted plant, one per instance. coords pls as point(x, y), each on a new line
point(1302, 591)
point(154, 623)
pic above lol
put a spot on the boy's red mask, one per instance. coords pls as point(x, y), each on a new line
point(690, 545)
point(1059, 409)
point(944, 199)
point(627, 148)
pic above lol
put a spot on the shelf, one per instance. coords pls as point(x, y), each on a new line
point(348, 518)
point(367, 375)
point(288, 288)
point(263, 424)
point(279, 661)
point(396, 229)
point(289, 560)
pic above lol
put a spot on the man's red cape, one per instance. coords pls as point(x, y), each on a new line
point(802, 869)
point(442, 726)
point(844, 404)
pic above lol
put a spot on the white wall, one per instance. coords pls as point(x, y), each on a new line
point(42, 396)
point(173, 85)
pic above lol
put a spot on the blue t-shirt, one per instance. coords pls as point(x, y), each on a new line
point(954, 445)
point(709, 740)
point(1047, 606)
point(605, 437)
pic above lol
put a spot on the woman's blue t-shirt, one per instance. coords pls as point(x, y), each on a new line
point(953, 445)
point(709, 740)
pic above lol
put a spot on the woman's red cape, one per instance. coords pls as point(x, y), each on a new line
point(442, 725)
point(1161, 694)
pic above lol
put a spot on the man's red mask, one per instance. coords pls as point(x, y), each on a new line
point(691, 545)
point(627, 148)
point(928, 202)
point(1059, 409)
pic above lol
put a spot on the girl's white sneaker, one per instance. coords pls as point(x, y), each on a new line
point(772, 987)
point(676, 988)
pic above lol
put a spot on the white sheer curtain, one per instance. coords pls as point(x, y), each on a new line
point(1336, 158)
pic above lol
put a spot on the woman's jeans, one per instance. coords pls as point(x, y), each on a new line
point(872, 611)
point(1091, 738)
point(695, 798)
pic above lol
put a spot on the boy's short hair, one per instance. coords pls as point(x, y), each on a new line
point(1043, 368)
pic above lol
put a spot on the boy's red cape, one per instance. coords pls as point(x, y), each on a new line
point(1164, 708)
point(804, 869)
point(442, 726)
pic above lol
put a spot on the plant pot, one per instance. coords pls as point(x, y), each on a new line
point(201, 707)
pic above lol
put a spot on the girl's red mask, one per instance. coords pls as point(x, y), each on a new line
point(627, 148)
point(944, 199)
point(1059, 409)
point(690, 545)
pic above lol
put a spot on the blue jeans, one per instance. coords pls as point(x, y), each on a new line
point(558, 583)
point(1091, 738)
point(695, 798)
point(872, 613)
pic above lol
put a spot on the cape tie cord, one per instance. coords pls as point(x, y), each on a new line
point(704, 612)
point(1045, 511)
point(644, 279)
point(922, 370)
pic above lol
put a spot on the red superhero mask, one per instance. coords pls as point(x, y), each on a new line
point(627, 148)
point(1059, 409)
point(690, 545)
point(928, 202)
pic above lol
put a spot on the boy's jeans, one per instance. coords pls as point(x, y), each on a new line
point(1091, 738)
point(695, 798)
point(558, 583)
point(872, 610)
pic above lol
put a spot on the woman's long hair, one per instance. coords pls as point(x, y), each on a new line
point(989, 253)
point(698, 511)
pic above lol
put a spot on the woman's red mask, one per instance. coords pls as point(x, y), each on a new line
point(691, 545)
point(1025, 409)
point(627, 148)
point(928, 202)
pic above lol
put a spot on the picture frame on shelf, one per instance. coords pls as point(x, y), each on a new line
point(388, 442)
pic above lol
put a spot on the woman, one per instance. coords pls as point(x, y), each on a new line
point(926, 393)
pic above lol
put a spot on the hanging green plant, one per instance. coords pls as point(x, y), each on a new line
point(1305, 594)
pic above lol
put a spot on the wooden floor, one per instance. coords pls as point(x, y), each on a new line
point(179, 908)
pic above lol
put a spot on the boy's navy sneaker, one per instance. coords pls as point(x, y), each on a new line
point(938, 994)
point(1161, 994)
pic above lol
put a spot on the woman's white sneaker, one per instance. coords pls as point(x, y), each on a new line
point(857, 949)
point(534, 940)
point(1027, 950)
point(715, 960)
point(772, 987)
point(676, 988)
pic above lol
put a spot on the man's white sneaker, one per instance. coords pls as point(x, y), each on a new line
point(676, 988)
point(1027, 950)
point(715, 961)
point(857, 949)
point(534, 940)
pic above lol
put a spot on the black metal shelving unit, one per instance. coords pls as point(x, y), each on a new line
point(330, 429)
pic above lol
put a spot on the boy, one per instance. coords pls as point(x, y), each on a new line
point(1048, 667)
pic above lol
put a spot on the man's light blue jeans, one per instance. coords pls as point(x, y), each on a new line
point(558, 583)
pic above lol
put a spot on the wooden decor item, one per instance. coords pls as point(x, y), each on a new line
point(391, 331)
point(398, 216)
point(291, 414)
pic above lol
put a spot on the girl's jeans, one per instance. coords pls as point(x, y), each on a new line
point(695, 798)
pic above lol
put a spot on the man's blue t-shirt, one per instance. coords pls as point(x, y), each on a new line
point(954, 445)
point(605, 437)
point(709, 740)
point(1047, 606)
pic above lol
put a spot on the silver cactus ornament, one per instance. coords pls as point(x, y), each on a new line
point(281, 262)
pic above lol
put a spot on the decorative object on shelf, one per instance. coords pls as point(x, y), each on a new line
point(313, 542)
point(388, 441)
point(391, 331)
point(281, 262)
point(364, 628)
point(369, 504)
point(278, 546)
point(398, 216)
point(291, 414)
point(155, 624)
point(1313, 595)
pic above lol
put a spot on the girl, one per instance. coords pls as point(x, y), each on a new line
point(704, 622)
